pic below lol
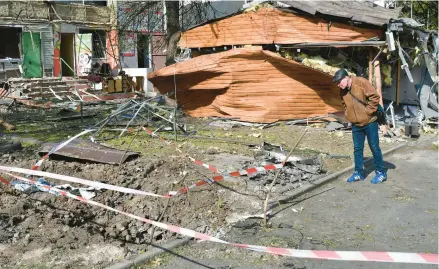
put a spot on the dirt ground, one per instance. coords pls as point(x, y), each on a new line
point(400, 215)
point(47, 231)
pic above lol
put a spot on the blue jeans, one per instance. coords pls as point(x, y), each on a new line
point(359, 134)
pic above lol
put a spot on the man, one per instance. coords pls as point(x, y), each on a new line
point(360, 101)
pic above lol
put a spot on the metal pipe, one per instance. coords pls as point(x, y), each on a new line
point(134, 116)
point(331, 44)
point(74, 73)
point(376, 57)
point(106, 120)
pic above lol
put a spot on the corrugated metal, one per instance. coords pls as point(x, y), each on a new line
point(366, 12)
point(272, 25)
point(250, 84)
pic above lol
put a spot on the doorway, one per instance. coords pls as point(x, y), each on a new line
point(67, 52)
point(143, 51)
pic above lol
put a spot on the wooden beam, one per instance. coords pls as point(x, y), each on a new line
point(378, 83)
point(336, 44)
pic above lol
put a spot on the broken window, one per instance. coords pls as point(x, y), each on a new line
point(9, 47)
point(98, 42)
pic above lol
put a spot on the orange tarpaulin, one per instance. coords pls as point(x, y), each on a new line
point(250, 84)
point(272, 26)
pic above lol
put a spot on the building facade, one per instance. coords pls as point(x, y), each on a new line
point(56, 38)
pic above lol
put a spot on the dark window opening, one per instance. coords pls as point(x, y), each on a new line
point(98, 42)
point(10, 45)
point(102, 3)
point(143, 53)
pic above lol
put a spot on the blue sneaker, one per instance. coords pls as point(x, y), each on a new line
point(357, 176)
point(379, 177)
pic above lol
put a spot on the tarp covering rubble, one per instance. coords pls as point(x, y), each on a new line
point(251, 84)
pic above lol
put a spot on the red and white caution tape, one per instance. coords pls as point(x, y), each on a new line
point(392, 257)
point(58, 147)
point(212, 168)
point(208, 166)
point(79, 180)
point(205, 165)
point(4, 180)
point(228, 175)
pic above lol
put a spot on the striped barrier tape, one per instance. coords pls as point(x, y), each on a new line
point(370, 256)
point(208, 166)
point(4, 180)
point(79, 180)
point(58, 147)
point(230, 174)
point(212, 168)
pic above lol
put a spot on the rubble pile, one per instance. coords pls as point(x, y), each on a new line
point(291, 176)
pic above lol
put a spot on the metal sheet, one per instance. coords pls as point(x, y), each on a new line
point(88, 151)
point(250, 84)
point(46, 43)
point(360, 11)
point(31, 47)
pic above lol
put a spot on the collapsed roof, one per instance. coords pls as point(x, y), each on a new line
point(355, 11)
point(257, 85)
point(251, 84)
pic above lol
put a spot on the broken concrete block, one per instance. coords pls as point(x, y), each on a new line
point(212, 150)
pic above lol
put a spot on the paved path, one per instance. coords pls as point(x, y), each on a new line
point(399, 215)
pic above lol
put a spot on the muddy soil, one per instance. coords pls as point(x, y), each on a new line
point(41, 229)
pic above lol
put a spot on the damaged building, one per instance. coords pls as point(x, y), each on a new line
point(50, 40)
point(274, 60)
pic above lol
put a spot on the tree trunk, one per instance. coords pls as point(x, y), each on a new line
point(172, 29)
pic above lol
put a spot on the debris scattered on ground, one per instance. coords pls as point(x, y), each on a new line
point(255, 135)
point(85, 150)
point(237, 217)
point(332, 126)
point(212, 150)
point(9, 146)
point(6, 125)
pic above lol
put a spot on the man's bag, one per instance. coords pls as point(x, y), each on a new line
point(379, 113)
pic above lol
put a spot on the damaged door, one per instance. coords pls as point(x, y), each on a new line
point(83, 46)
point(31, 45)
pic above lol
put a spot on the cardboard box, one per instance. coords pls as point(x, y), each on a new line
point(139, 84)
point(110, 86)
point(118, 84)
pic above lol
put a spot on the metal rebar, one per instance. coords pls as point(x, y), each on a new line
point(134, 116)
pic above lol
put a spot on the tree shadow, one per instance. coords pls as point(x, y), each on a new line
point(293, 202)
point(182, 257)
